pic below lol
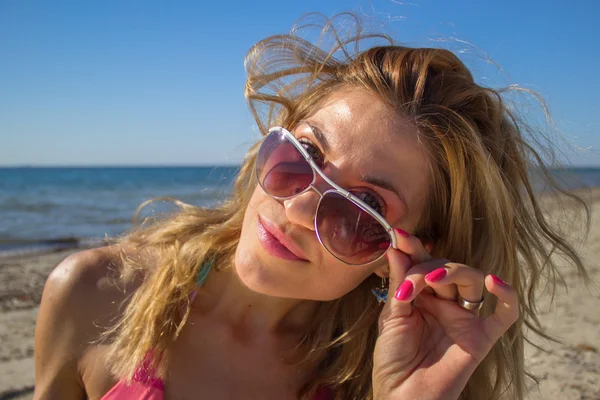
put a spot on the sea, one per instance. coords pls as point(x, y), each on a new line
point(48, 209)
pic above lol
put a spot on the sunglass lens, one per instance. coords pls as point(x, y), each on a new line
point(281, 169)
point(348, 232)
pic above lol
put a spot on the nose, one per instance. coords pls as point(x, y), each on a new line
point(300, 210)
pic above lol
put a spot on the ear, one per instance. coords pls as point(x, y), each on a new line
point(428, 244)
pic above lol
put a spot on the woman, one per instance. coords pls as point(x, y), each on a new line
point(391, 163)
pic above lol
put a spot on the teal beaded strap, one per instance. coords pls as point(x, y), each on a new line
point(203, 271)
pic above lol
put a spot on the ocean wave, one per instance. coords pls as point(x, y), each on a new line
point(23, 247)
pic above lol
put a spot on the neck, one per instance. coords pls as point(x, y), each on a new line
point(227, 300)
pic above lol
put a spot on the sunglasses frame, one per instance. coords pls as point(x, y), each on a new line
point(335, 189)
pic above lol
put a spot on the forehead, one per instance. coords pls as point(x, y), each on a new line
point(356, 115)
point(367, 137)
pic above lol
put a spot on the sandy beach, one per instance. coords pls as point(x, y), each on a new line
point(570, 370)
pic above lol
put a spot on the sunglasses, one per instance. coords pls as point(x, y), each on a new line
point(346, 226)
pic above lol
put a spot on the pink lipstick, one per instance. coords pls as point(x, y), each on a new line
point(275, 242)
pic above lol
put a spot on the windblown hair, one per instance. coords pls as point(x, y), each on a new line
point(481, 211)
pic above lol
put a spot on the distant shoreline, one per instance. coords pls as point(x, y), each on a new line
point(24, 248)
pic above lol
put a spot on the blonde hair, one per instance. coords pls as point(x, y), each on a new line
point(482, 209)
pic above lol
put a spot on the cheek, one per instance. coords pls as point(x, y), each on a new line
point(257, 201)
point(246, 257)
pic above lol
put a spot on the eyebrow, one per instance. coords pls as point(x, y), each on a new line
point(373, 180)
point(320, 136)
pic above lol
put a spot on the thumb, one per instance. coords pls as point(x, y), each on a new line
point(399, 263)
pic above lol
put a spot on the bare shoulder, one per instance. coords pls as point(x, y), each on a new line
point(82, 298)
point(90, 282)
point(88, 272)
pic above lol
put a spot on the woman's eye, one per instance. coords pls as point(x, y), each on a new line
point(372, 201)
point(313, 151)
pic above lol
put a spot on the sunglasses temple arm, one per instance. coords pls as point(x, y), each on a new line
point(393, 237)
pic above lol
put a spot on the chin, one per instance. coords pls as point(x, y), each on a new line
point(268, 276)
point(256, 273)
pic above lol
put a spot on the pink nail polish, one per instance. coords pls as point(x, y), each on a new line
point(404, 290)
point(497, 280)
point(436, 275)
point(401, 232)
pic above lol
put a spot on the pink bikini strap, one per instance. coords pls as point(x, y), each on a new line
point(145, 374)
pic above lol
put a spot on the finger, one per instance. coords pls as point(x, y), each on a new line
point(507, 308)
point(414, 281)
point(468, 280)
point(399, 263)
point(411, 246)
point(442, 288)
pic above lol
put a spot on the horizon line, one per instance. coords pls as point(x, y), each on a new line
point(25, 166)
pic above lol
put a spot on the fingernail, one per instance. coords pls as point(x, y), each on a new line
point(436, 275)
point(401, 232)
point(404, 290)
point(497, 280)
point(387, 256)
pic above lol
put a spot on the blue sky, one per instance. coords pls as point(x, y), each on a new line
point(161, 82)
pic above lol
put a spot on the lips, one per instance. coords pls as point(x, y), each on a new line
point(285, 241)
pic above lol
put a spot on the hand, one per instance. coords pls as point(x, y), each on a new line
point(428, 348)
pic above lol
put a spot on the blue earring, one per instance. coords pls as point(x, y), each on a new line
point(380, 293)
